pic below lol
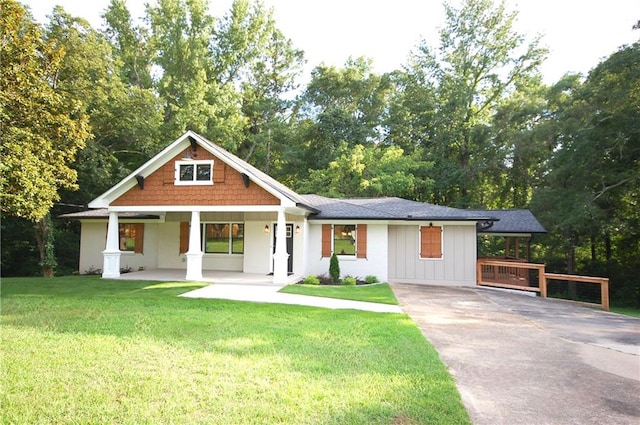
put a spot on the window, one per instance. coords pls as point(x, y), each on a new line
point(223, 238)
point(344, 239)
point(191, 172)
point(430, 242)
point(131, 237)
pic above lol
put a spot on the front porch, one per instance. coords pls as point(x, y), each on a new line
point(208, 276)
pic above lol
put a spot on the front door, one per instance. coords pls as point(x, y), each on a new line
point(289, 232)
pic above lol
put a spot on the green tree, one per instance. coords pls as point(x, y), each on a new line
point(590, 196)
point(368, 171)
point(130, 44)
point(480, 61)
point(340, 105)
point(42, 128)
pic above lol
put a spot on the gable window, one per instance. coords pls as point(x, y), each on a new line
point(430, 242)
point(223, 238)
point(344, 239)
point(192, 172)
point(131, 237)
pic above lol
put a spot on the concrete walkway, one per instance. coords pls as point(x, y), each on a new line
point(270, 294)
point(526, 360)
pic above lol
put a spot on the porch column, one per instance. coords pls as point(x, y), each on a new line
point(281, 257)
point(111, 253)
point(194, 254)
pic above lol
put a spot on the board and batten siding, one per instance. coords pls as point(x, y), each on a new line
point(456, 267)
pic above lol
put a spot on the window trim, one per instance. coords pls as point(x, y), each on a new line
point(195, 164)
point(230, 253)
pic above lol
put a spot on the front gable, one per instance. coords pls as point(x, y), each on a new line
point(234, 182)
point(227, 186)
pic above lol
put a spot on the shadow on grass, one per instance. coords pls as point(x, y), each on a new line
point(305, 344)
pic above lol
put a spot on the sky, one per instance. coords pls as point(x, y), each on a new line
point(578, 33)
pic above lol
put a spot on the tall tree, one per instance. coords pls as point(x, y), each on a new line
point(42, 129)
point(339, 105)
point(480, 61)
point(181, 31)
point(130, 45)
point(590, 194)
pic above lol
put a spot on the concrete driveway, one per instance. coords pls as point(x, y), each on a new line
point(523, 360)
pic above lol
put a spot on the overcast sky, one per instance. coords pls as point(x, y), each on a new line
point(578, 33)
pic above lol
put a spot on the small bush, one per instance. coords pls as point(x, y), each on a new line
point(311, 280)
point(371, 279)
point(334, 268)
point(351, 281)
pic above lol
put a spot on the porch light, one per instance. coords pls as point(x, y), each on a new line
point(298, 229)
point(187, 155)
point(266, 228)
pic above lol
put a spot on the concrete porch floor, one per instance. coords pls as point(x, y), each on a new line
point(209, 276)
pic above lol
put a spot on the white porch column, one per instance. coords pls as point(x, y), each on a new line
point(281, 257)
point(111, 253)
point(194, 255)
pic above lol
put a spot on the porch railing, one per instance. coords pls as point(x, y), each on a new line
point(531, 277)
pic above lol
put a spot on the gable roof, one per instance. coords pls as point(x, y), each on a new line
point(388, 209)
point(513, 221)
point(263, 180)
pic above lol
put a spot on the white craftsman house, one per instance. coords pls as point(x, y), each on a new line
point(195, 206)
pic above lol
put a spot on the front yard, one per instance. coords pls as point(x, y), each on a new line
point(86, 350)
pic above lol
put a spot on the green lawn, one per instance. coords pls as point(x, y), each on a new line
point(377, 293)
point(628, 311)
point(91, 351)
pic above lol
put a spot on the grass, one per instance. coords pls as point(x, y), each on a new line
point(92, 351)
point(378, 293)
point(627, 311)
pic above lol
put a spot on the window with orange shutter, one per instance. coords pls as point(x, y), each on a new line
point(430, 242)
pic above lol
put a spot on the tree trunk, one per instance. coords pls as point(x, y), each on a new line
point(571, 266)
point(44, 239)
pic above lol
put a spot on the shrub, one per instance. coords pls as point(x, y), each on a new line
point(372, 279)
point(311, 280)
point(351, 281)
point(334, 268)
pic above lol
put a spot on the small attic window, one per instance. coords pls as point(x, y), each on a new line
point(190, 172)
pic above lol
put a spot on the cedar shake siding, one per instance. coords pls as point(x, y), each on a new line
point(228, 188)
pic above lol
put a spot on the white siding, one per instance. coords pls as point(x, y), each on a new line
point(92, 243)
point(456, 267)
point(375, 264)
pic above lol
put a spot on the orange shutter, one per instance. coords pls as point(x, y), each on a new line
point(184, 237)
point(430, 242)
point(139, 241)
point(361, 244)
point(326, 240)
point(218, 172)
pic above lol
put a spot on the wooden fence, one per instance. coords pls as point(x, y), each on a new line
point(517, 275)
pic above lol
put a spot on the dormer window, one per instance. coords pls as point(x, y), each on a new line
point(190, 172)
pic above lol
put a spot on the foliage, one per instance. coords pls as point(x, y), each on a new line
point(371, 279)
point(334, 268)
point(348, 280)
point(119, 347)
point(369, 293)
point(311, 280)
point(42, 129)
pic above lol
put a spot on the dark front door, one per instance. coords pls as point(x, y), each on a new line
point(289, 232)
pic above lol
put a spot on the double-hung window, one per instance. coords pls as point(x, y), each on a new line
point(190, 172)
point(344, 239)
point(131, 237)
point(223, 238)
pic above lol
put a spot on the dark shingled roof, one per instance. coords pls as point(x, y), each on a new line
point(513, 221)
point(387, 209)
